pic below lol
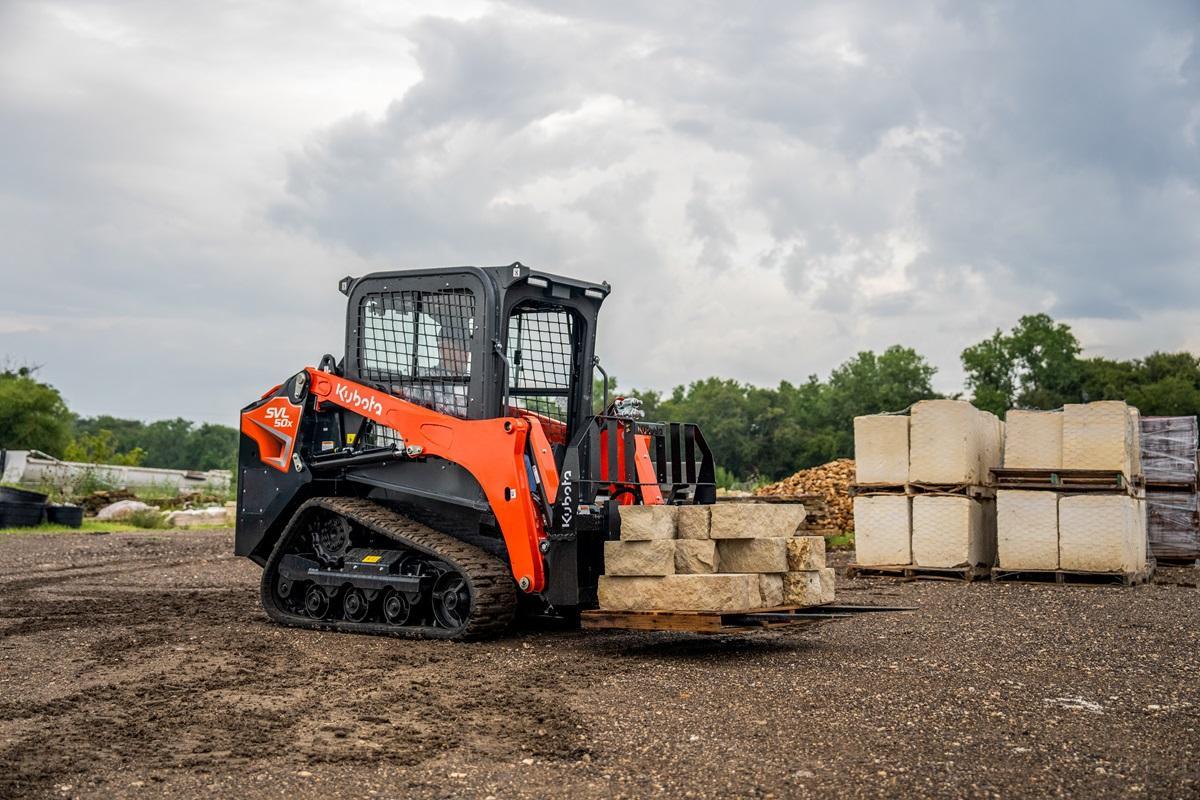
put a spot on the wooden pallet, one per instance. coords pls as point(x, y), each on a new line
point(909, 572)
point(1177, 560)
point(857, 489)
point(723, 622)
point(774, 499)
point(960, 489)
point(1064, 480)
point(1171, 486)
point(1063, 576)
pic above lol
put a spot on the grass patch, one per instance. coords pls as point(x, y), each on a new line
point(148, 518)
point(843, 541)
point(89, 526)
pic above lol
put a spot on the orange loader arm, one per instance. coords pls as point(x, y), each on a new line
point(492, 450)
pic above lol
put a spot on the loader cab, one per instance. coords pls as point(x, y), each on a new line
point(477, 342)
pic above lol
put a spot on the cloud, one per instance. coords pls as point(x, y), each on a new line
point(769, 188)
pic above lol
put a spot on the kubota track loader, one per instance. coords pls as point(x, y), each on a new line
point(449, 467)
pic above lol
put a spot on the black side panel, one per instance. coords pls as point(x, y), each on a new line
point(267, 497)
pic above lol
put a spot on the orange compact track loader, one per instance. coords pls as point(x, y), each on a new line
point(450, 468)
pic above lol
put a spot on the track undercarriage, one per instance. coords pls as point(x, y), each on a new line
point(353, 565)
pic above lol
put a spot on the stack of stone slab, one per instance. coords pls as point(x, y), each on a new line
point(921, 490)
point(1172, 506)
point(1046, 529)
point(727, 557)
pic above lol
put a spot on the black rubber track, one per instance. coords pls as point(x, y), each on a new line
point(489, 580)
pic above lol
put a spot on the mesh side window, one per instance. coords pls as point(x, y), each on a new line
point(418, 345)
point(541, 350)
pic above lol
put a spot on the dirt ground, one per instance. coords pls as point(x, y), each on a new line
point(139, 665)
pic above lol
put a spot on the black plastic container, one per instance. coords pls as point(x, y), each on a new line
point(21, 515)
point(11, 495)
point(71, 516)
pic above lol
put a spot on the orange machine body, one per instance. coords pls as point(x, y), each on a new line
point(492, 450)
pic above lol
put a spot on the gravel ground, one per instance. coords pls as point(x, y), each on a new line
point(139, 665)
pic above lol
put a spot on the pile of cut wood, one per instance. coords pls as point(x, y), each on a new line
point(828, 482)
point(724, 557)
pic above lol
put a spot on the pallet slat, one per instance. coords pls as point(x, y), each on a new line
point(911, 572)
point(961, 489)
point(1063, 576)
point(712, 621)
point(1064, 480)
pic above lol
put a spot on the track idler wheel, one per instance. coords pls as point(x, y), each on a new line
point(316, 602)
point(451, 600)
point(396, 608)
point(355, 605)
point(331, 538)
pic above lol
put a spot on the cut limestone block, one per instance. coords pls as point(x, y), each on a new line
point(680, 593)
point(770, 588)
point(1098, 436)
point(696, 556)
point(1101, 533)
point(755, 520)
point(881, 448)
point(882, 529)
point(1027, 529)
point(1033, 439)
point(828, 579)
point(809, 587)
point(1135, 440)
point(951, 441)
point(640, 558)
point(753, 555)
point(950, 531)
point(647, 523)
point(692, 522)
point(805, 552)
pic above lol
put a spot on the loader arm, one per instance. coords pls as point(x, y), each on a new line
point(492, 450)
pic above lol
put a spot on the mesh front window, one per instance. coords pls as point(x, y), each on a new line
point(541, 348)
point(418, 345)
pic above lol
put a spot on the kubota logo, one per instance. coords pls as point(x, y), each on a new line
point(359, 401)
point(279, 417)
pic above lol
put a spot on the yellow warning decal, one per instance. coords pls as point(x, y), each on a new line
point(371, 559)
point(350, 437)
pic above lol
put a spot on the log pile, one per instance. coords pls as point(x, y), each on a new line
point(829, 482)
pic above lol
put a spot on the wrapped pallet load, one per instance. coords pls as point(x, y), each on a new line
point(881, 449)
point(1168, 450)
point(1026, 529)
point(1102, 533)
point(951, 531)
point(1033, 439)
point(1173, 524)
point(1099, 436)
point(952, 442)
point(883, 529)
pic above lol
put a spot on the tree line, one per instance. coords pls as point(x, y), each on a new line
point(34, 416)
point(756, 433)
point(761, 433)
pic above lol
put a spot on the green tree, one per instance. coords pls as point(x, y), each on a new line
point(167, 443)
point(1035, 365)
point(33, 415)
point(101, 448)
point(126, 433)
point(1162, 384)
point(213, 447)
point(757, 432)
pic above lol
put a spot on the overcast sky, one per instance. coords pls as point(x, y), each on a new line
point(770, 187)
